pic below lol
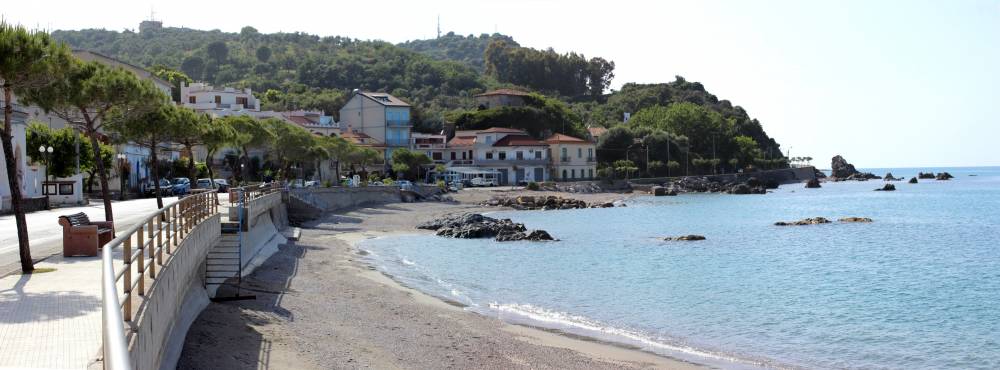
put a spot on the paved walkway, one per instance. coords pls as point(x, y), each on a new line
point(52, 320)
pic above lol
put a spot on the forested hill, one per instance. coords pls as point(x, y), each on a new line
point(466, 49)
point(439, 78)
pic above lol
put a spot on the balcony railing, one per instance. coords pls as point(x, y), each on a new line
point(591, 159)
point(564, 159)
point(511, 162)
point(397, 142)
point(397, 123)
point(428, 146)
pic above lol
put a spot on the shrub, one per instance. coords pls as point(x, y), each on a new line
point(533, 186)
point(327, 183)
point(387, 181)
point(442, 185)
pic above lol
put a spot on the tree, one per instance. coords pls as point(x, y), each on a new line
point(193, 66)
point(188, 129)
point(614, 144)
point(175, 78)
point(218, 51)
point(151, 130)
point(624, 168)
point(64, 142)
point(89, 93)
point(216, 134)
point(250, 133)
point(263, 54)
point(746, 151)
point(291, 143)
point(407, 163)
point(28, 61)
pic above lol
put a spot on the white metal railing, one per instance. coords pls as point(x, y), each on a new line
point(159, 233)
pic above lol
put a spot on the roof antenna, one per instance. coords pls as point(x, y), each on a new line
point(439, 25)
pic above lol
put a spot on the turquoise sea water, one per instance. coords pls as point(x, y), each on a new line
point(917, 289)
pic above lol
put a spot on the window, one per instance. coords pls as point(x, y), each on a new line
point(453, 156)
point(590, 154)
point(218, 99)
point(242, 101)
point(579, 152)
point(520, 155)
point(463, 155)
point(502, 155)
point(564, 174)
point(572, 173)
point(489, 139)
point(192, 99)
point(538, 154)
point(565, 154)
point(590, 173)
point(436, 156)
point(489, 155)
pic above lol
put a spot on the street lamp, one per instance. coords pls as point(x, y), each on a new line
point(46, 154)
point(122, 163)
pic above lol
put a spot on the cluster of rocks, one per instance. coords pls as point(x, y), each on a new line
point(812, 184)
point(925, 176)
point(822, 220)
point(944, 176)
point(474, 225)
point(684, 238)
point(545, 203)
point(696, 184)
point(577, 187)
point(841, 170)
point(889, 177)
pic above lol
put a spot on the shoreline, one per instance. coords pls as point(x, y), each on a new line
point(595, 348)
point(319, 305)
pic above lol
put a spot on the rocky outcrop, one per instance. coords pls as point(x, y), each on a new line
point(944, 176)
point(924, 176)
point(855, 219)
point(586, 187)
point(807, 221)
point(685, 238)
point(660, 191)
point(913, 180)
point(887, 187)
point(812, 184)
point(819, 174)
point(889, 177)
point(545, 203)
point(695, 184)
point(474, 225)
point(746, 189)
point(843, 171)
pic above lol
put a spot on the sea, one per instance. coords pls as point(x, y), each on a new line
point(918, 288)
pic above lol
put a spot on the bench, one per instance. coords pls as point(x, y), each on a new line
point(82, 237)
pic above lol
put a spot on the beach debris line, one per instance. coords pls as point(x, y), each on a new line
point(474, 226)
point(684, 238)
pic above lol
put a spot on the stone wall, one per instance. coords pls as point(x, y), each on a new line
point(330, 199)
point(161, 307)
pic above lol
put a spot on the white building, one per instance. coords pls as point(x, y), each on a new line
point(513, 153)
point(204, 97)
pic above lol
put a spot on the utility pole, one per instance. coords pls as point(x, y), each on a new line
point(439, 26)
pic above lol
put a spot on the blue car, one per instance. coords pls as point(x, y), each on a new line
point(181, 185)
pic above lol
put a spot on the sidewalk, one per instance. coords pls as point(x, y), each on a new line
point(52, 320)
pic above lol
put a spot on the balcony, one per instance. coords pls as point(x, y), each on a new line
point(591, 160)
point(398, 142)
point(564, 159)
point(428, 146)
point(512, 162)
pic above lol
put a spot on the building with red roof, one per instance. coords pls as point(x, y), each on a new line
point(573, 158)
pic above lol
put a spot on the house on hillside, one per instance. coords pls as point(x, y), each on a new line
point(433, 145)
point(572, 158)
point(316, 122)
point(461, 148)
point(380, 116)
point(596, 132)
point(203, 97)
point(500, 98)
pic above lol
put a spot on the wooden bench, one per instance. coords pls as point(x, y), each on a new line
point(82, 237)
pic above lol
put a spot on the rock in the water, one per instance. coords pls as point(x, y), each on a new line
point(685, 238)
point(812, 184)
point(944, 176)
point(929, 175)
point(819, 174)
point(887, 187)
point(546, 203)
point(659, 191)
point(913, 180)
point(807, 221)
point(855, 219)
point(474, 225)
point(889, 177)
point(840, 168)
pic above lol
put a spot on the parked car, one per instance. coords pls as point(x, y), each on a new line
point(455, 186)
point(166, 189)
point(404, 184)
point(312, 184)
point(206, 184)
point(222, 184)
point(181, 185)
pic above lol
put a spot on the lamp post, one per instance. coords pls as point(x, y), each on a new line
point(46, 154)
point(122, 163)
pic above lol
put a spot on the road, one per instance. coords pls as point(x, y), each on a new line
point(46, 234)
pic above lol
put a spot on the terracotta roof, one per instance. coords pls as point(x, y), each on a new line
point(466, 132)
point(597, 131)
point(300, 120)
point(502, 130)
point(560, 138)
point(462, 141)
point(518, 140)
point(504, 92)
point(384, 99)
point(355, 134)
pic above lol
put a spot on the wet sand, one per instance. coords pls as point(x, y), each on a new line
point(318, 306)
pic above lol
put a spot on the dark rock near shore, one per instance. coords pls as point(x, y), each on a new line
point(840, 168)
point(819, 174)
point(528, 202)
point(889, 177)
point(807, 221)
point(929, 175)
point(913, 180)
point(812, 184)
point(944, 176)
point(685, 238)
point(887, 187)
point(474, 225)
point(660, 191)
point(855, 219)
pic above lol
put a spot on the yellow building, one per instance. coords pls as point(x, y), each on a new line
point(573, 159)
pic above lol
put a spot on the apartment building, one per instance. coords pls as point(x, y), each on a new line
point(383, 117)
point(573, 158)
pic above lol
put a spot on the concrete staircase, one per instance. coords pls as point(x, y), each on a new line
point(224, 260)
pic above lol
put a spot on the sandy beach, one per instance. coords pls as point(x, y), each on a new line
point(318, 306)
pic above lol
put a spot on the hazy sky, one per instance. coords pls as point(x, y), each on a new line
point(884, 83)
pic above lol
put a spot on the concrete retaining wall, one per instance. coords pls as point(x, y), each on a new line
point(329, 199)
point(161, 316)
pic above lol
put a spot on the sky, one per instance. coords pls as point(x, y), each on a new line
point(907, 83)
